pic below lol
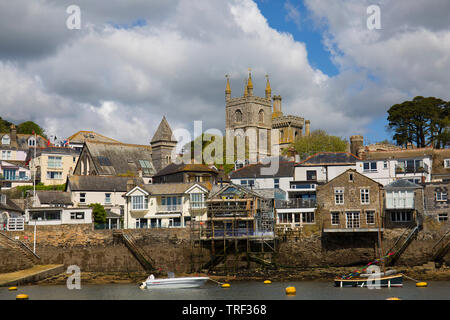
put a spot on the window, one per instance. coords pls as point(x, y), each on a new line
point(311, 175)
point(335, 218)
point(276, 183)
point(370, 166)
point(54, 175)
point(442, 217)
point(107, 198)
point(139, 202)
point(261, 116)
point(6, 139)
point(370, 217)
point(249, 183)
point(308, 217)
point(401, 216)
point(339, 196)
point(22, 175)
point(54, 162)
point(385, 164)
point(31, 142)
point(147, 167)
point(238, 116)
point(45, 215)
point(197, 200)
point(365, 199)
point(350, 177)
point(446, 163)
point(6, 155)
point(9, 174)
point(352, 220)
point(441, 196)
point(77, 216)
point(82, 197)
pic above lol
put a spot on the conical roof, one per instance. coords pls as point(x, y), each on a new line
point(164, 132)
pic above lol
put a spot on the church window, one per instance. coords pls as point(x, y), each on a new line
point(261, 115)
point(238, 116)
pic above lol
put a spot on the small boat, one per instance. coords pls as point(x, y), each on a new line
point(394, 280)
point(174, 283)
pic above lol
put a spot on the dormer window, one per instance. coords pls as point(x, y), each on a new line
point(31, 142)
point(6, 139)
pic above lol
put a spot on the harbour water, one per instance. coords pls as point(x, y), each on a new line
point(240, 290)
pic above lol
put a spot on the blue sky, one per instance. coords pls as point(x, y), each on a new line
point(293, 17)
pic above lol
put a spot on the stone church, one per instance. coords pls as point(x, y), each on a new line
point(248, 114)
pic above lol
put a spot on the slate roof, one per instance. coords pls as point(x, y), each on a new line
point(54, 150)
point(83, 136)
point(398, 154)
point(22, 141)
point(285, 169)
point(119, 158)
point(53, 197)
point(9, 205)
point(100, 183)
point(182, 167)
point(329, 158)
point(163, 133)
point(402, 184)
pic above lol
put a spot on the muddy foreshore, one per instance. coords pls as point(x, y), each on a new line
point(282, 275)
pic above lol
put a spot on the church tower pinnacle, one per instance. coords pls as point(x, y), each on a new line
point(228, 88)
point(250, 83)
point(268, 89)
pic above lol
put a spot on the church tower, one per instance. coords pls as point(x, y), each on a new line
point(162, 145)
point(249, 116)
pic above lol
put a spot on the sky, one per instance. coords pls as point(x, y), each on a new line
point(132, 62)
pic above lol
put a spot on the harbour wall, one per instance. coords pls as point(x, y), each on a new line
point(170, 249)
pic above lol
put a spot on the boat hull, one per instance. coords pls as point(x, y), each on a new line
point(388, 281)
point(176, 283)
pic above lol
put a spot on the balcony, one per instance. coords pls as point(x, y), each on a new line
point(295, 204)
point(417, 167)
point(302, 187)
point(169, 208)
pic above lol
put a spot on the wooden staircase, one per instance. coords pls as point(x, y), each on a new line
point(441, 248)
point(20, 248)
point(141, 256)
point(401, 244)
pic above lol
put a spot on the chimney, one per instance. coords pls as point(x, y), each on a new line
point(13, 135)
point(356, 142)
point(130, 184)
point(307, 128)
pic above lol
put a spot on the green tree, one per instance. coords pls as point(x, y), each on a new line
point(28, 127)
point(5, 125)
point(319, 141)
point(422, 121)
point(99, 213)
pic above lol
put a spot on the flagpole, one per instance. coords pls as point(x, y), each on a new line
point(34, 170)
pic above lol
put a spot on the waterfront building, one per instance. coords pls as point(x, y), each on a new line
point(350, 203)
point(55, 208)
point(437, 201)
point(52, 164)
point(165, 205)
point(404, 205)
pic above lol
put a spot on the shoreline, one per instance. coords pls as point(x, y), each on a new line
point(283, 275)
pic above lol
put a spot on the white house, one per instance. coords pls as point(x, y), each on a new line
point(14, 174)
point(55, 208)
point(165, 205)
point(385, 167)
point(253, 176)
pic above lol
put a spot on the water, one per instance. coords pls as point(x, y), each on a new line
point(248, 290)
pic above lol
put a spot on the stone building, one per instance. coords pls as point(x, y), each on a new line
point(437, 201)
point(256, 119)
point(350, 203)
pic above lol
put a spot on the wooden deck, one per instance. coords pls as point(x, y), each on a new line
point(35, 273)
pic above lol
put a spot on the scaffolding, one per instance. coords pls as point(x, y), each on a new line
point(238, 231)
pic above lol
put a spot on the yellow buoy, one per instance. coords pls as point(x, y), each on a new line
point(290, 290)
point(267, 282)
point(225, 285)
point(12, 288)
point(421, 284)
point(393, 298)
point(22, 297)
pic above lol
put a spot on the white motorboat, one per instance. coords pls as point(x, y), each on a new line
point(174, 283)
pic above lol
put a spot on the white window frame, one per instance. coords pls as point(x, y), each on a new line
point(442, 217)
point(82, 197)
point(336, 221)
point(370, 169)
point(339, 194)
point(364, 195)
point(372, 215)
point(6, 139)
point(57, 175)
point(54, 162)
point(107, 198)
point(77, 215)
point(441, 196)
point(447, 163)
point(139, 202)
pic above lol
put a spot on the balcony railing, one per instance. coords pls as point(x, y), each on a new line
point(303, 187)
point(417, 168)
point(170, 208)
point(295, 203)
